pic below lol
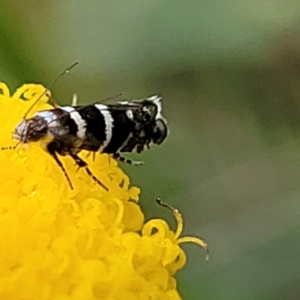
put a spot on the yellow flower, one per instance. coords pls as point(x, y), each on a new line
point(86, 243)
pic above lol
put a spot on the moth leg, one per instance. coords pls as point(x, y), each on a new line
point(93, 155)
point(52, 149)
point(126, 160)
point(82, 164)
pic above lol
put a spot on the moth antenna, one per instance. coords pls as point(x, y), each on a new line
point(111, 97)
point(49, 87)
point(74, 101)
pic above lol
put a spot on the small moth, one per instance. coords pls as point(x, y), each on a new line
point(126, 126)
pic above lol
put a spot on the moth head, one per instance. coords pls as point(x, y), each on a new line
point(31, 130)
point(152, 107)
point(160, 131)
point(153, 110)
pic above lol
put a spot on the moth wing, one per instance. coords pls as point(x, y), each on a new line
point(121, 106)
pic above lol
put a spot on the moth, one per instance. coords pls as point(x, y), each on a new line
point(126, 126)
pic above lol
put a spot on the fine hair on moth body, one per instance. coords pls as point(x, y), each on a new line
point(125, 126)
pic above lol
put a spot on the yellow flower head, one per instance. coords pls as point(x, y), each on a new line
point(86, 243)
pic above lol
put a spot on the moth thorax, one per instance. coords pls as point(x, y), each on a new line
point(31, 130)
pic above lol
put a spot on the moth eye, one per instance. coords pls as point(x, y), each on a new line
point(160, 132)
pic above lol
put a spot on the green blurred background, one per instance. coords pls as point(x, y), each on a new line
point(229, 72)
